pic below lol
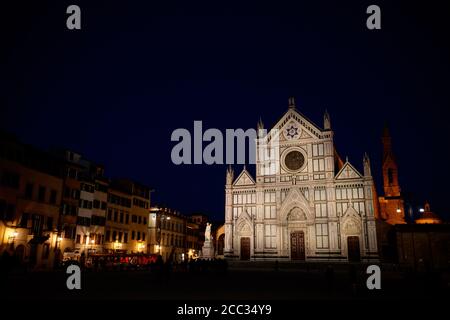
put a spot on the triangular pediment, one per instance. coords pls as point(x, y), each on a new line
point(306, 129)
point(351, 213)
point(244, 223)
point(348, 172)
point(244, 179)
point(351, 222)
point(295, 198)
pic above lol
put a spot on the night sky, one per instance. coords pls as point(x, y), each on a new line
point(137, 70)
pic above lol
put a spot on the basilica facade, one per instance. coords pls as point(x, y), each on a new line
point(304, 203)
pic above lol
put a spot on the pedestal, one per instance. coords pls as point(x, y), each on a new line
point(208, 250)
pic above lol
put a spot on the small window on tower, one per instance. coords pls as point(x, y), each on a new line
point(390, 176)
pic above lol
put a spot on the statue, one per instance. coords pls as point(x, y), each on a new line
point(208, 247)
point(208, 232)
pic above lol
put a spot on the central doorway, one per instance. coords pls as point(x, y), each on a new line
point(245, 248)
point(354, 254)
point(297, 245)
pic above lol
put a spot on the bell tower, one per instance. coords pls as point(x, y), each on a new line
point(391, 204)
point(390, 170)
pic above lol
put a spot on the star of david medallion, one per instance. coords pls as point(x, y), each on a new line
point(292, 132)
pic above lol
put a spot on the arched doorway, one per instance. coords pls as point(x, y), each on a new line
point(297, 245)
point(245, 248)
point(220, 244)
point(354, 253)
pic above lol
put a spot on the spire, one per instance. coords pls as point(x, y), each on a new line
point(260, 128)
point(386, 139)
point(260, 124)
point(427, 207)
point(390, 170)
point(291, 103)
point(366, 163)
point(230, 175)
point(326, 120)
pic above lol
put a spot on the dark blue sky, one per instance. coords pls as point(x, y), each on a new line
point(136, 71)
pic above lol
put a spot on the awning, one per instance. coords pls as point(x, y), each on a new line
point(38, 239)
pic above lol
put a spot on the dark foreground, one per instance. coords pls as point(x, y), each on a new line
point(241, 281)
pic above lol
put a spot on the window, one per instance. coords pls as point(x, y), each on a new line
point(341, 208)
point(36, 226)
point(29, 191)
point(115, 215)
point(120, 236)
point(103, 205)
point(322, 236)
point(390, 174)
point(24, 220)
point(53, 196)
point(318, 164)
point(133, 218)
point(133, 235)
point(359, 207)
point(270, 236)
point(121, 217)
point(143, 236)
point(114, 236)
point(109, 214)
point(125, 237)
point(269, 196)
point(144, 220)
point(78, 239)
point(321, 210)
point(318, 150)
point(270, 212)
point(138, 237)
point(140, 220)
point(96, 204)
point(127, 218)
point(108, 235)
point(320, 195)
point(41, 194)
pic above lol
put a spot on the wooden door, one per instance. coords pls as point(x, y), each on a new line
point(354, 253)
point(245, 248)
point(297, 245)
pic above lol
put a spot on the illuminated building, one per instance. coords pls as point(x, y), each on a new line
point(428, 217)
point(30, 199)
point(304, 203)
point(127, 217)
point(168, 234)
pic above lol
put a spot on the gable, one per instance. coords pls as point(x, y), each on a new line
point(244, 179)
point(307, 129)
point(348, 172)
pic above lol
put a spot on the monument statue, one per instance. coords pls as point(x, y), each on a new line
point(208, 247)
point(208, 232)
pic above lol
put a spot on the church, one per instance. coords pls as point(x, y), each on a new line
point(305, 202)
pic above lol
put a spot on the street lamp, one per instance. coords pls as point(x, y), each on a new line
point(12, 237)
